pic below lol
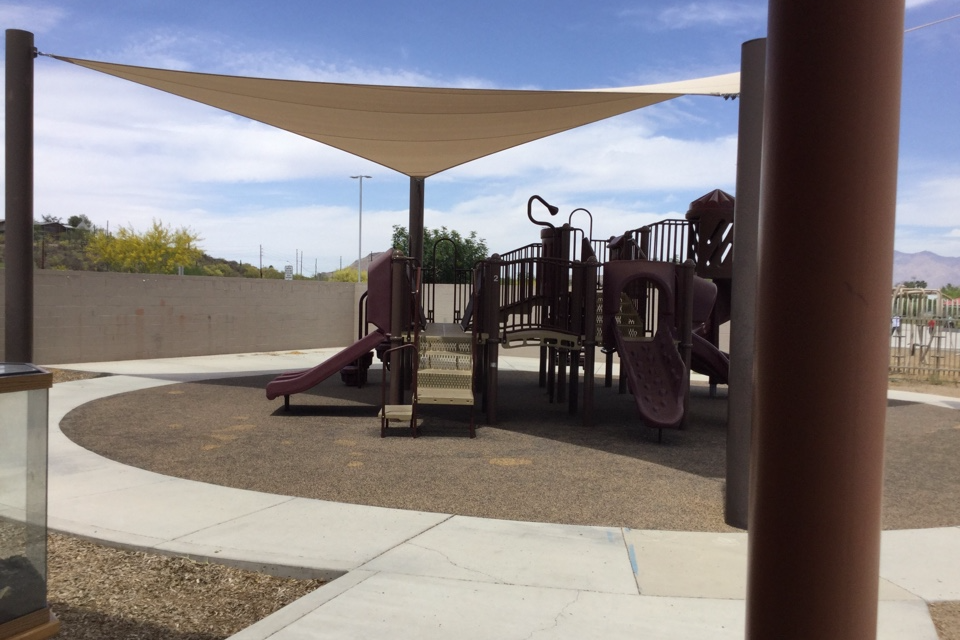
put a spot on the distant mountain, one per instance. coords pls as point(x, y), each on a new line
point(936, 270)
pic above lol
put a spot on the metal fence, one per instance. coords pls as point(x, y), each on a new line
point(924, 335)
point(925, 346)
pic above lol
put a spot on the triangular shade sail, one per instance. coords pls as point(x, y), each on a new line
point(416, 131)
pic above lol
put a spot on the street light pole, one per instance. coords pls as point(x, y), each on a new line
point(360, 234)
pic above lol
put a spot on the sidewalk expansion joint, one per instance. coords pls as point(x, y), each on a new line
point(287, 499)
point(403, 542)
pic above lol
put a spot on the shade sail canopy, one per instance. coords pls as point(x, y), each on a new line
point(414, 130)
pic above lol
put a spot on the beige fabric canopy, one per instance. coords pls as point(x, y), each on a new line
point(416, 131)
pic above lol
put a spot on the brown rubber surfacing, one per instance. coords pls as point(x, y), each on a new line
point(538, 464)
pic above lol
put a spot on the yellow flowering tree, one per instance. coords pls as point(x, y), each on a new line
point(160, 249)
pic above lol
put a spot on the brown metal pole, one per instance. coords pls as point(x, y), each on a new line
point(491, 326)
point(685, 317)
point(18, 251)
point(590, 338)
point(831, 126)
point(397, 328)
point(416, 219)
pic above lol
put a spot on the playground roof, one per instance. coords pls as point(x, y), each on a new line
point(417, 131)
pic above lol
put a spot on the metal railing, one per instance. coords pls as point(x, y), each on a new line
point(542, 294)
point(666, 241)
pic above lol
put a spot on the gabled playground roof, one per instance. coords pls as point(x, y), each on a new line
point(416, 131)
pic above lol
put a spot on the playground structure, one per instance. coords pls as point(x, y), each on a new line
point(924, 341)
point(654, 296)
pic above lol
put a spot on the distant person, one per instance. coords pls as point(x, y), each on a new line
point(895, 326)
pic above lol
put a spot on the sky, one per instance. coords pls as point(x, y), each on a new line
point(126, 155)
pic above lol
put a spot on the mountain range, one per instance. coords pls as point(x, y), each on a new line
point(935, 269)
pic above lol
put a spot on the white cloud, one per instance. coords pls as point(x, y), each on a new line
point(912, 4)
point(612, 157)
point(701, 14)
point(210, 52)
point(943, 241)
point(931, 201)
point(35, 17)
point(723, 14)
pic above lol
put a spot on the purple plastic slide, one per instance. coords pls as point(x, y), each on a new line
point(298, 381)
point(657, 377)
point(708, 360)
point(378, 314)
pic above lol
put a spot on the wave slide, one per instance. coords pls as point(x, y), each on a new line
point(299, 381)
point(657, 377)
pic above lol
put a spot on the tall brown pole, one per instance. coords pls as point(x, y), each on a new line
point(831, 125)
point(416, 218)
point(18, 251)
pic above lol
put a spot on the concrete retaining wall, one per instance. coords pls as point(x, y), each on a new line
point(85, 316)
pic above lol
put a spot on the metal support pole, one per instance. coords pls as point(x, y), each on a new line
point(491, 326)
point(743, 312)
point(831, 126)
point(397, 329)
point(685, 317)
point(18, 252)
point(590, 338)
point(416, 218)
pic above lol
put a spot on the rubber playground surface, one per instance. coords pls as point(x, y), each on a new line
point(537, 464)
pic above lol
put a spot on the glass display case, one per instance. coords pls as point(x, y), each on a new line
point(24, 613)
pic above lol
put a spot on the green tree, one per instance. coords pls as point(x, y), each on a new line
point(914, 283)
point(80, 222)
point(347, 274)
point(269, 273)
point(157, 250)
point(951, 291)
point(251, 271)
point(469, 250)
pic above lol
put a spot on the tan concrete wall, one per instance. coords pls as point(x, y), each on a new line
point(90, 317)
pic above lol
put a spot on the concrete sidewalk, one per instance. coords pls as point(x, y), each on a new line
point(406, 574)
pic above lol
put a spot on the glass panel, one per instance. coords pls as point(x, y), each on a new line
point(23, 508)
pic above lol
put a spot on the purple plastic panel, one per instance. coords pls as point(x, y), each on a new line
point(378, 291)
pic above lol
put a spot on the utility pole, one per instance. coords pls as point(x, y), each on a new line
point(360, 233)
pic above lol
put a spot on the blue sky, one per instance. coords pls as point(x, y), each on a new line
point(126, 155)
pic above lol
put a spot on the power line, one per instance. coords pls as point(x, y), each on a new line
point(930, 24)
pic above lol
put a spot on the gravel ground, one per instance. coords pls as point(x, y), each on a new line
point(104, 593)
point(100, 593)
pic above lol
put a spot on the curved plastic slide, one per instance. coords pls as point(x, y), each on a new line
point(287, 384)
point(657, 377)
point(709, 361)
